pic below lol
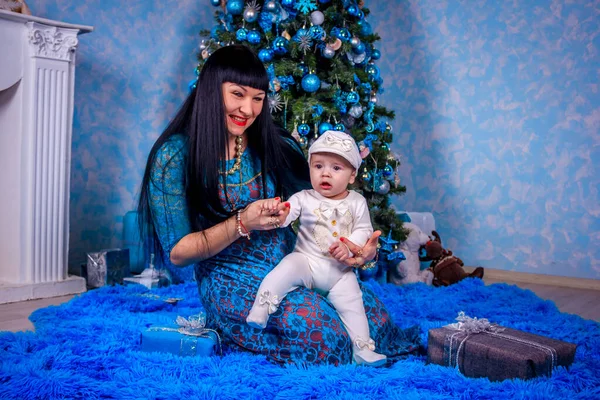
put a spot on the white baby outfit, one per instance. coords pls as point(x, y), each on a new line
point(322, 222)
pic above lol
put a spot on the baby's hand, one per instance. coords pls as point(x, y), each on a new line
point(270, 206)
point(339, 251)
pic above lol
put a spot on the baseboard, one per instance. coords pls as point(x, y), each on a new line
point(541, 279)
point(11, 293)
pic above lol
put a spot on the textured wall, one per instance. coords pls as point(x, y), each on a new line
point(498, 122)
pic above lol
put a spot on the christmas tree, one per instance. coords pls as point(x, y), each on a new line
point(320, 57)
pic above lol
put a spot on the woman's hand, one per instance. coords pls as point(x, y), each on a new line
point(362, 254)
point(264, 215)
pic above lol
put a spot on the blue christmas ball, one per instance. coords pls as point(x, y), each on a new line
point(254, 36)
point(241, 34)
point(303, 129)
point(388, 171)
point(287, 3)
point(352, 97)
point(375, 54)
point(324, 127)
point(303, 69)
point(317, 32)
point(265, 55)
point(385, 147)
point(353, 10)
point(215, 3)
point(360, 48)
point(360, 14)
point(365, 27)
point(339, 127)
point(271, 6)
point(215, 31)
point(301, 32)
point(324, 1)
point(235, 7)
point(344, 34)
point(366, 176)
point(192, 84)
point(373, 71)
point(311, 83)
point(280, 45)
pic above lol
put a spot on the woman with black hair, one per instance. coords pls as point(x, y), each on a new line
point(201, 202)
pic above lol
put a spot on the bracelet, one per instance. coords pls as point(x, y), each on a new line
point(239, 226)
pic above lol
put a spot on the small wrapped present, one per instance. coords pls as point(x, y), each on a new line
point(107, 267)
point(187, 337)
point(481, 349)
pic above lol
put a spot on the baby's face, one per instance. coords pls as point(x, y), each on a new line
point(331, 174)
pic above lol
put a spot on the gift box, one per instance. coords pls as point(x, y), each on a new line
point(181, 338)
point(481, 349)
point(107, 267)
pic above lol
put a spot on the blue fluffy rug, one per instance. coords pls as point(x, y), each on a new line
point(89, 348)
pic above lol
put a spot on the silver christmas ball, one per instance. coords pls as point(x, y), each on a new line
point(202, 45)
point(250, 15)
point(328, 52)
point(356, 111)
point(317, 17)
point(354, 42)
point(373, 98)
point(383, 188)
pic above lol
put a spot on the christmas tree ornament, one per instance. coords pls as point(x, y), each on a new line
point(205, 54)
point(385, 147)
point(311, 83)
point(383, 187)
point(360, 14)
point(352, 97)
point(216, 31)
point(353, 10)
point(336, 45)
point(215, 3)
point(192, 84)
point(366, 177)
point(363, 149)
point(271, 6)
point(202, 45)
point(373, 71)
point(375, 54)
point(356, 111)
point(388, 171)
point(280, 45)
point(250, 14)
point(365, 27)
point(303, 68)
point(305, 6)
point(241, 34)
point(373, 98)
point(303, 129)
point(339, 127)
point(359, 49)
point(328, 52)
point(265, 55)
point(324, 1)
point(304, 39)
point(344, 34)
point(275, 102)
point(317, 17)
point(287, 3)
point(324, 127)
point(253, 37)
point(286, 35)
point(235, 7)
point(355, 41)
point(317, 32)
point(303, 142)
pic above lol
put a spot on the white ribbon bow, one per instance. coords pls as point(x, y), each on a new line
point(474, 325)
point(272, 302)
point(361, 344)
point(328, 209)
point(343, 144)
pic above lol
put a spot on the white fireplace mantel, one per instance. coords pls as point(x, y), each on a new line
point(37, 71)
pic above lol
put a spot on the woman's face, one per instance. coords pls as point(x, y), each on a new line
point(242, 105)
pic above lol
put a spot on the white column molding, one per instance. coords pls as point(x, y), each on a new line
point(52, 42)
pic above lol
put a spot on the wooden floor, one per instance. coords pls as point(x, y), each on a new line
point(14, 317)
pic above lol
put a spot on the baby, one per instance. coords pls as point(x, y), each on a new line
point(327, 212)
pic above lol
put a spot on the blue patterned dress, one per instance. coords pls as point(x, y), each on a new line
point(305, 329)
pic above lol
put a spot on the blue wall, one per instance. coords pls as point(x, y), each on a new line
point(498, 124)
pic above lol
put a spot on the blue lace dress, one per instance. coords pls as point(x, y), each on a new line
point(305, 329)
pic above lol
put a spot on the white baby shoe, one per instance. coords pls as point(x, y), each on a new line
point(262, 308)
point(364, 353)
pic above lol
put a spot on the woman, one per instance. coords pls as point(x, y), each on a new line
point(204, 188)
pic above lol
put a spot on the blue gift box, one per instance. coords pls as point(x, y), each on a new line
point(180, 341)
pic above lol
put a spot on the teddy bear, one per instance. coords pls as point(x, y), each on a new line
point(447, 269)
point(409, 270)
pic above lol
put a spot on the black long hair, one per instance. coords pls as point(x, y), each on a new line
point(201, 119)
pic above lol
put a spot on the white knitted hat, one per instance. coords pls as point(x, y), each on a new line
point(339, 143)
